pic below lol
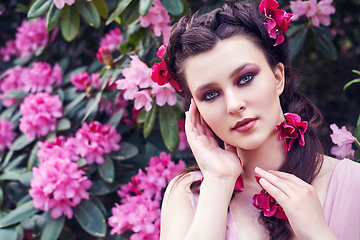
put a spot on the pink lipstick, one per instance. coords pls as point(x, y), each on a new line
point(245, 125)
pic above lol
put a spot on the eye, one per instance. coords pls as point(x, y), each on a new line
point(245, 79)
point(210, 95)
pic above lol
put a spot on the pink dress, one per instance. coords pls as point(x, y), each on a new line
point(341, 207)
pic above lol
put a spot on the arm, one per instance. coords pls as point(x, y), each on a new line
point(300, 203)
point(220, 169)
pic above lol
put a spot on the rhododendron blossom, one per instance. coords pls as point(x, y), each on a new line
point(9, 83)
point(82, 80)
point(8, 51)
point(112, 39)
point(164, 94)
point(318, 11)
point(343, 139)
point(6, 134)
point(58, 184)
point(39, 112)
point(58, 148)
point(143, 99)
point(30, 36)
point(158, 18)
point(96, 139)
point(41, 77)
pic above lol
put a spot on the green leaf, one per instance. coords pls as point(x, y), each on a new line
point(1, 196)
point(63, 124)
point(9, 233)
point(74, 103)
point(53, 228)
point(38, 8)
point(25, 178)
point(7, 158)
point(294, 29)
point(18, 93)
point(52, 17)
point(18, 214)
point(126, 151)
point(88, 12)
point(131, 13)
point(358, 121)
point(107, 170)
point(297, 42)
point(357, 135)
point(10, 176)
point(150, 119)
point(99, 203)
point(14, 163)
point(92, 105)
point(102, 8)
point(70, 22)
point(119, 9)
point(142, 116)
point(33, 158)
point(175, 7)
point(351, 82)
point(21, 142)
point(356, 71)
point(169, 127)
point(324, 44)
point(90, 218)
point(116, 118)
point(100, 187)
point(144, 6)
point(357, 155)
point(6, 114)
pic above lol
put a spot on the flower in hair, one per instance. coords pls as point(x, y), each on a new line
point(277, 20)
point(267, 204)
point(160, 73)
point(291, 129)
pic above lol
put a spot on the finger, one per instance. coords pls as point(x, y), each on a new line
point(290, 177)
point(275, 192)
point(229, 148)
point(198, 123)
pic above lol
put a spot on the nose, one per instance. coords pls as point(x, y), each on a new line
point(234, 102)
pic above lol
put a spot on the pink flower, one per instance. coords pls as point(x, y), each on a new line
point(11, 82)
point(319, 11)
point(96, 139)
point(112, 40)
point(31, 36)
point(183, 143)
point(344, 151)
point(61, 3)
point(138, 72)
point(277, 19)
point(120, 103)
point(292, 129)
point(268, 205)
point(164, 94)
point(39, 112)
point(40, 77)
point(159, 19)
point(58, 184)
point(143, 99)
point(6, 134)
point(8, 51)
point(58, 148)
point(104, 56)
point(300, 8)
point(341, 136)
point(82, 80)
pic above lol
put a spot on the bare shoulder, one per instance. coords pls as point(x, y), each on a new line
point(176, 210)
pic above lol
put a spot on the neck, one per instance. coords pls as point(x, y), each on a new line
point(270, 155)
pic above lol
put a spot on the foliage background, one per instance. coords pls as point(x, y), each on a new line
point(323, 79)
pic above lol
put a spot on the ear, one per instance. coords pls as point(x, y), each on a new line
point(279, 73)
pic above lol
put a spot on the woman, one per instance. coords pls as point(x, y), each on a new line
point(239, 84)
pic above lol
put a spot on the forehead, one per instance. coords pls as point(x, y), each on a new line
point(219, 62)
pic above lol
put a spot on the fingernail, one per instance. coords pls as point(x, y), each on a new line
point(258, 169)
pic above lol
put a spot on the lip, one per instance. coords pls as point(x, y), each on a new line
point(245, 125)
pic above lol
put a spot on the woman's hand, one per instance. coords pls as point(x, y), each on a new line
point(300, 203)
point(213, 161)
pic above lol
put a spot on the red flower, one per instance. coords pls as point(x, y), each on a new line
point(268, 205)
point(161, 76)
point(104, 56)
point(277, 19)
point(292, 129)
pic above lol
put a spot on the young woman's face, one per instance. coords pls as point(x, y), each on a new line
point(237, 92)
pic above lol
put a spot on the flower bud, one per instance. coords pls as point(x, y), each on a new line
point(104, 56)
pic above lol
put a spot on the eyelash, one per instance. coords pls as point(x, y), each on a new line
point(207, 97)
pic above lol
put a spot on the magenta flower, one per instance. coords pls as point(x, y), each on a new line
point(292, 129)
point(112, 39)
point(41, 78)
point(58, 148)
point(31, 36)
point(39, 112)
point(9, 83)
point(6, 134)
point(58, 184)
point(104, 56)
point(183, 143)
point(96, 139)
point(8, 51)
point(82, 80)
point(277, 19)
point(159, 19)
point(268, 205)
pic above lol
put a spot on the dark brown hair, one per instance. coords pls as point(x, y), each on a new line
point(193, 35)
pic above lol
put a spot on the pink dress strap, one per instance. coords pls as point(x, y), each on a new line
point(231, 228)
point(342, 203)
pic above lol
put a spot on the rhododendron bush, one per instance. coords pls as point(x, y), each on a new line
point(88, 139)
